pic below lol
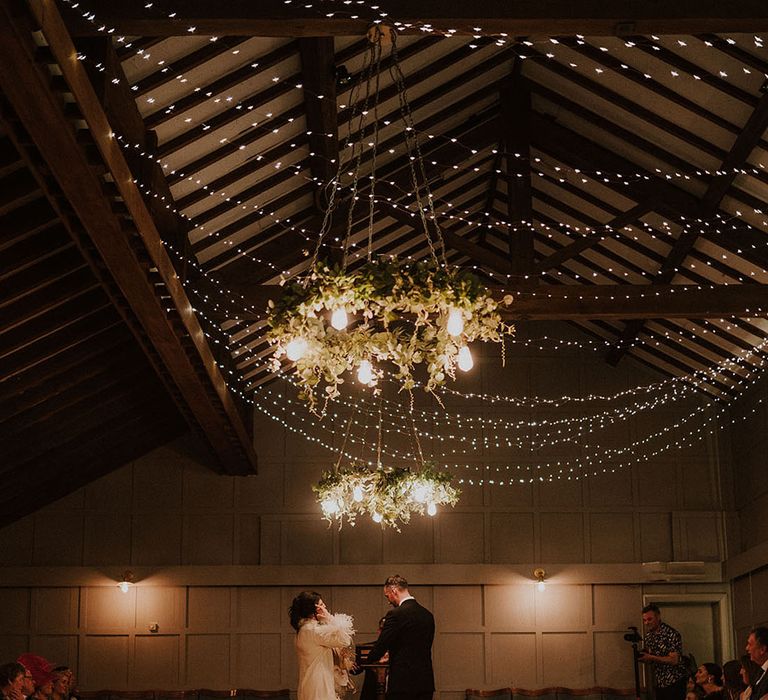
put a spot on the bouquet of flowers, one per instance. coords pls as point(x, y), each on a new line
point(343, 658)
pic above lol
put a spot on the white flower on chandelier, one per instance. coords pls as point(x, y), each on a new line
point(388, 496)
point(406, 315)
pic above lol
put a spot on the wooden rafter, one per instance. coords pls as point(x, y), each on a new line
point(709, 205)
point(516, 134)
point(594, 17)
point(599, 301)
point(26, 87)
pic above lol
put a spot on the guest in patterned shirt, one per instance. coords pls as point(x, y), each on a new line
point(663, 652)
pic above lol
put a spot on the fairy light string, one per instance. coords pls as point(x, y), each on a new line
point(755, 171)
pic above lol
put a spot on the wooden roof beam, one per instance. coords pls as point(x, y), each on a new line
point(600, 301)
point(516, 132)
point(27, 88)
point(522, 18)
point(744, 144)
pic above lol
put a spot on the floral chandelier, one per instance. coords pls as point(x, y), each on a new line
point(406, 315)
point(388, 496)
point(381, 314)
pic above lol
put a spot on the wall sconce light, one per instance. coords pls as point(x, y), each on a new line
point(127, 582)
point(540, 575)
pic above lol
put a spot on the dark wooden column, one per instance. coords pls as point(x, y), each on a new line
point(516, 129)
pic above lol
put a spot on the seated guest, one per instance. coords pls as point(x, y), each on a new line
point(750, 674)
point(42, 674)
point(694, 693)
point(709, 677)
point(12, 681)
point(733, 683)
point(28, 687)
point(62, 683)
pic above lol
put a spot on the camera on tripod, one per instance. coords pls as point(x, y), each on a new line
point(634, 638)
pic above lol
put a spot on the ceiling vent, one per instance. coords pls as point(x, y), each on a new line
point(674, 571)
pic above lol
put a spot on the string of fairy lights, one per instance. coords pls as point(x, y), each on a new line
point(529, 469)
point(718, 225)
point(241, 350)
point(508, 433)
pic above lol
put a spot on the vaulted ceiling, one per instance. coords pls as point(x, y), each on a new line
point(164, 167)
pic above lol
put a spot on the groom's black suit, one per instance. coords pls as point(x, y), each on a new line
point(407, 635)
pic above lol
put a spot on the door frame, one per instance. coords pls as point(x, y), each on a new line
point(721, 600)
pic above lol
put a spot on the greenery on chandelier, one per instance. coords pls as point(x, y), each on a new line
point(404, 314)
point(388, 496)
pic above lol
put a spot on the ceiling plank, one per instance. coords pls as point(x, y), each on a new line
point(583, 243)
point(521, 18)
point(40, 110)
point(603, 301)
point(742, 147)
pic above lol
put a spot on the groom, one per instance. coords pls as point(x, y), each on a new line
point(407, 635)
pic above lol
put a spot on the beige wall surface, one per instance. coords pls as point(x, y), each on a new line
point(749, 446)
point(238, 549)
point(238, 636)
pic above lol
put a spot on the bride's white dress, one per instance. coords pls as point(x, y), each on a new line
point(315, 643)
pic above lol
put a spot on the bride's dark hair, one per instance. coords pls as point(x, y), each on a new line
point(303, 607)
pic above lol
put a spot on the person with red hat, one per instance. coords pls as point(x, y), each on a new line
point(42, 674)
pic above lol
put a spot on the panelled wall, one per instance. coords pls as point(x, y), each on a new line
point(238, 636)
point(218, 558)
point(749, 569)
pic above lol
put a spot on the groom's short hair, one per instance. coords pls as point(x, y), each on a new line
point(396, 581)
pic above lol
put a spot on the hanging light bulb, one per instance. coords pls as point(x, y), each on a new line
point(540, 575)
point(377, 517)
point(296, 349)
point(357, 493)
point(365, 372)
point(431, 509)
point(127, 582)
point(455, 325)
point(420, 494)
point(466, 362)
point(330, 507)
point(339, 318)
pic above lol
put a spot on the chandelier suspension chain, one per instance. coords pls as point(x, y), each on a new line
point(415, 158)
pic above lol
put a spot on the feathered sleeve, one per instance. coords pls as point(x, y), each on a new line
point(337, 632)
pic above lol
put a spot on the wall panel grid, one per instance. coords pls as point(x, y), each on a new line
point(239, 636)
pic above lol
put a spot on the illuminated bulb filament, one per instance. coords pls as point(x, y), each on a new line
point(330, 507)
point(377, 518)
point(339, 319)
point(357, 494)
point(296, 349)
point(541, 586)
point(431, 509)
point(124, 586)
point(365, 372)
point(466, 362)
point(455, 325)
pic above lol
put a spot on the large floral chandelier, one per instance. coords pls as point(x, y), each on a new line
point(379, 315)
point(387, 496)
point(382, 313)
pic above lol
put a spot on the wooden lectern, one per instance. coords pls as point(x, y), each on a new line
point(376, 673)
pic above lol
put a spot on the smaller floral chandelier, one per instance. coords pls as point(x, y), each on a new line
point(388, 496)
point(404, 315)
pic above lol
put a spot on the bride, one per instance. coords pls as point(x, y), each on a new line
point(320, 639)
